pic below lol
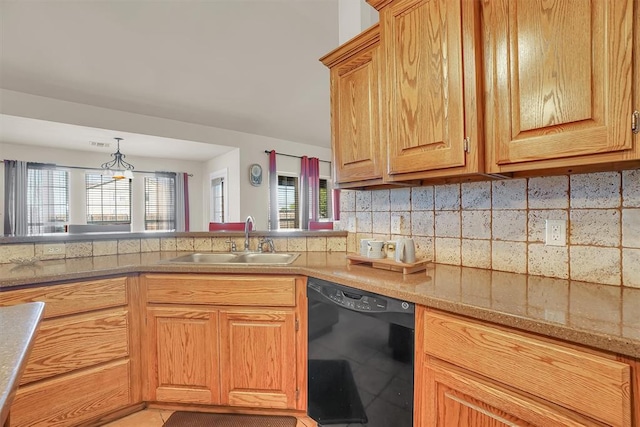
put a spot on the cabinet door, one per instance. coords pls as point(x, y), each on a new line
point(355, 109)
point(558, 81)
point(453, 397)
point(183, 355)
point(423, 75)
point(258, 352)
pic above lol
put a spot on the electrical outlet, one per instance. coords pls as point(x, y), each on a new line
point(556, 232)
point(53, 249)
point(397, 221)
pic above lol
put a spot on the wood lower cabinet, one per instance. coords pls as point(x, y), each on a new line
point(471, 374)
point(67, 344)
point(84, 363)
point(241, 346)
point(184, 354)
point(256, 353)
point(455, 397)
point(73, 399)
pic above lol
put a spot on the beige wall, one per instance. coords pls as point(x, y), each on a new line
point(255, 200)
point(354, 16)
point(500, 225)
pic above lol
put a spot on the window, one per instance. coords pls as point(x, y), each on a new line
point(288, 216)
point(160, 202)
point(108, 200)
point(324, 203)
point(217, 200)
point(47, 199)
point(323, 200)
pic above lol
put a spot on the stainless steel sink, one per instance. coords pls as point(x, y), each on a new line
point(266, 258)
point(207, 258)
point(226, 258)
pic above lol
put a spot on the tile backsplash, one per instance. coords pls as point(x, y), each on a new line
point(66, 250)
point(500, 225)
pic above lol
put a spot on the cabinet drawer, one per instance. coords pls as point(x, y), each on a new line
point(586, 383)
point(221, 290)
point(72, 298)
point(66, 344)
point(73, 399)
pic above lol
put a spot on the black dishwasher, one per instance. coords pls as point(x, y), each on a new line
point(360, 357)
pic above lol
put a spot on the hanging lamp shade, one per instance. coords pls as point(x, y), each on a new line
point(117, 168)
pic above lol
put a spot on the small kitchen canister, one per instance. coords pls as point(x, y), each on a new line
point(376, 249)
point(364, 247)
point(405, 251)
point(391, 249)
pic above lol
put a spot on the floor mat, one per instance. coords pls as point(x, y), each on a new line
point(201, 419)
point(333, 395)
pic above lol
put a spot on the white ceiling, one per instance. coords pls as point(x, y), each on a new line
point(245, 65)
point(25, 131)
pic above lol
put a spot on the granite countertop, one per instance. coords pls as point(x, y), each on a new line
point(599, 316)
point(18, 324)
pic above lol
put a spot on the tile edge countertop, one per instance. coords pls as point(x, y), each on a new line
point(19, 324)
point(603, 317)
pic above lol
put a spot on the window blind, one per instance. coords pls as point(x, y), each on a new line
point(47, 199)
point(160, 202)
point(217, 199)
point(108, 200)
point(288, 207)
point(324, 202)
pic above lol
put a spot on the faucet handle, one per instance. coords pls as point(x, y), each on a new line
point(233, 245)
point(268, 241)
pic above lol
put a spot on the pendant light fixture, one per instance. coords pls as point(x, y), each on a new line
point(118, 168)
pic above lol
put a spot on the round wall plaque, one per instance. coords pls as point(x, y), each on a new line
point(255, 174)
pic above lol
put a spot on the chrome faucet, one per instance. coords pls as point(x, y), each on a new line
point(248, 221)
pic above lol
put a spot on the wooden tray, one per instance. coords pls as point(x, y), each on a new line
point(389, 264)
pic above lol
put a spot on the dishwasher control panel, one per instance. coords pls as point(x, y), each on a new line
point(354, 301)
point(357, 300)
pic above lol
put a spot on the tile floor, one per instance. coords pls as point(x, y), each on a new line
point(145, 418)
point(157, 417)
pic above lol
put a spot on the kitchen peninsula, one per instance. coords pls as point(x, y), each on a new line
point(589, 323)
point(19, 325)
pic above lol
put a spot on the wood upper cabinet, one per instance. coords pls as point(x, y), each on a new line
point(183, 355)
point(430, 88)
point(473, 374)
point(257, 350)
point(558, 81)
point(355, 109)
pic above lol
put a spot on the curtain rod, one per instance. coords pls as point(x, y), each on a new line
point(291, 155)
point(96, 169)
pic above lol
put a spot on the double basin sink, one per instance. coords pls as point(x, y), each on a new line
point(226, 258)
